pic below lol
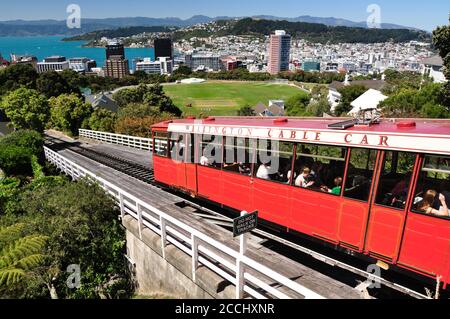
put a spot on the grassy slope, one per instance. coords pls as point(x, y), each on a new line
point(225, 98)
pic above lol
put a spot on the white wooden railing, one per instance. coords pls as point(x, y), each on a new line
point(119, 139)
point(203, 249)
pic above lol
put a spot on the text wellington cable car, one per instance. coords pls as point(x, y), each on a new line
point(382, 190)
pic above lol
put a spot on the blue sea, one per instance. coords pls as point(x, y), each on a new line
point(45, 46)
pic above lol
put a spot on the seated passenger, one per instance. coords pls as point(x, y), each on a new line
point(337, 189)
point(427, 204)
point(401, 188)
point(304, 179)
point(244, 169)
point(264, 171)
point(204, 161)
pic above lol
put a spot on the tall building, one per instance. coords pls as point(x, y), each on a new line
point(279, 52)
point(163, 48)
point(53, 63)
point(115, 49)
point(116, 66)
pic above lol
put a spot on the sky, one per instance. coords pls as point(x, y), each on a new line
point(414, 13)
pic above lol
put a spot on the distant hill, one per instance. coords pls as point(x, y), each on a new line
point(313, 32)
point(118, 33)
point(54, 27)
point(322, 33)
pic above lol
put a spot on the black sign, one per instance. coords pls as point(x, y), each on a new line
point(245, 224)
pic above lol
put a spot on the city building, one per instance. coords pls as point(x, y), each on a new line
point(24, 59)
point(310, 66)
point(53, 63)
point(203, 62)
point(163, 65)
point(163, 48)
point(3, 62)
point(279, 52)
point(433, 67)
point(116, 66)
point(114, 49)
point(82, 65)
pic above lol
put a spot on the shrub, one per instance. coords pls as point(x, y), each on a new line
point(15, 160)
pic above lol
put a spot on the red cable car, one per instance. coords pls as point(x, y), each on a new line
point(381, 189)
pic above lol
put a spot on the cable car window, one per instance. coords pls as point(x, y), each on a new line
point(210, 151)
point(238, 155)
point(160, 144)
point(360, 174)
point(320, 168)
point(395, 179)
point(432, 194)
point(177, 147)
point(274, 161)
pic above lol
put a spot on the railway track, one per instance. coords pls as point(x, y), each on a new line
point(145, 174)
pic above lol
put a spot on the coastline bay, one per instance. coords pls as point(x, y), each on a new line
point(44, 46)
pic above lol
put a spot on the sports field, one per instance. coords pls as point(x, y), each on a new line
point(225, 98)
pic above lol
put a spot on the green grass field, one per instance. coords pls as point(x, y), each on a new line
point(225, 98)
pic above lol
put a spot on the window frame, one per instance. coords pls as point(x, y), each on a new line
point(255, 161)
point(166, 138)
point(411, 182)
point(411, 210)
point(344, 159)
point(249, 148)
point(199, 151)
point(374, 174)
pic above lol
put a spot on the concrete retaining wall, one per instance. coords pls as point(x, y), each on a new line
point(173, 276)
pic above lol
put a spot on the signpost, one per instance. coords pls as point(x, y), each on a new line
point(241, 226)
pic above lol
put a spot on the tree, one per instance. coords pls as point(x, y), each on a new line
point(441, 39)
point(83, 232)
point(183, 70)
point(410, 102)
point(102, 120)
point(349, 94)
point(26, 109)
point(19, 255)
point(68, 112)
point(246, 111)
point(319, 104)
point(17, 75)
point(296, 105)
point(139, 126)
point(25, 138)
point(53, 84)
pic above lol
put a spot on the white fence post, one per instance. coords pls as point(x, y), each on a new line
point(163, 236)
point(194, 246)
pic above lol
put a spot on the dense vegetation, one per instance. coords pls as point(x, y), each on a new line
point(44, 230)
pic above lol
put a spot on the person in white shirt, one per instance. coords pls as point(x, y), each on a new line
point(263, 171)
point(302, 179)
point(204, 161)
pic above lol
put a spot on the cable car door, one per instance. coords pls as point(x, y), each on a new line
point(389, 205)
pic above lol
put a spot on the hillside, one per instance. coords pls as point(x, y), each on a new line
point(118, 33)
point(315, 32)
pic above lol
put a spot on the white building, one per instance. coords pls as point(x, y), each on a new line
point(370, 100)
point(162, 66)
point(433, 67)
point(81, 64)
point(53, 63)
